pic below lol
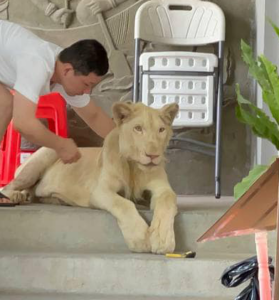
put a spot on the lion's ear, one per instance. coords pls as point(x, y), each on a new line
point(121, 111)
point(169, 112)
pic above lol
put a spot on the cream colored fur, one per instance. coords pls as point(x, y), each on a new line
point(130, 162)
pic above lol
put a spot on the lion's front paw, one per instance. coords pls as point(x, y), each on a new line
point(162, 236)
point(136, 235)
point(22, 197)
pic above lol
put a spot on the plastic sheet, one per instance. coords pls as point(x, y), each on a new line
point(243, 271)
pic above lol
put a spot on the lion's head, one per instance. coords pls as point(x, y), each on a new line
point(144, 132)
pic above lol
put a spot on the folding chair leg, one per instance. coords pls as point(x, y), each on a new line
point(136, 71)
point(218, 121)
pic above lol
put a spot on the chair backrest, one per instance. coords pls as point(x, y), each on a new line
point(180, 22)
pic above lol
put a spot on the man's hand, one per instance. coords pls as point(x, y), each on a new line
point(68, 151)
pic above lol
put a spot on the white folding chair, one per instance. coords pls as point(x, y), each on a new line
point(192, 79)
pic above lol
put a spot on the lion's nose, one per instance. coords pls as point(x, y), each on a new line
point(152, 156)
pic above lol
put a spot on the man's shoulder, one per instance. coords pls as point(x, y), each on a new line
point(45, 56)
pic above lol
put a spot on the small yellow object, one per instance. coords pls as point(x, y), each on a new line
point(189, 254)
point(175, 255)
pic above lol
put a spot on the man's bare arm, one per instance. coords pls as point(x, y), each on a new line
point(95, 118)
point(33, 130)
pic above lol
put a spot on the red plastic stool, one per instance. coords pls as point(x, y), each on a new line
point(50, 107)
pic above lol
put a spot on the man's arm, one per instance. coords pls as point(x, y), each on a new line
point(33, 130)
point(95, 118)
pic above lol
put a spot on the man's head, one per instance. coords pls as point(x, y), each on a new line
point(82, 66)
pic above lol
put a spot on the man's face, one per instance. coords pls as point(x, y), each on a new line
point(74, 84)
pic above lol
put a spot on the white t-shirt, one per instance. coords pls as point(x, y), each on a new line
point(27, 64)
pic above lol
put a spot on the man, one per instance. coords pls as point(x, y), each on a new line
point(33, 67)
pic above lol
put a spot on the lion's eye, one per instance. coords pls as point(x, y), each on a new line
point(138, 128)
point(162, 129)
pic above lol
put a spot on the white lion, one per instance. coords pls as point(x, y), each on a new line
point(130, 163)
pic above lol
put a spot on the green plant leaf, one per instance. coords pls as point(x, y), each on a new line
point(276, 29)
point(254, 69)
point(266, 75)
point(242, 187)
point(253, 116)
point(271, 95)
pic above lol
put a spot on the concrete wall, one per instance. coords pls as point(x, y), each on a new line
point(189, 173)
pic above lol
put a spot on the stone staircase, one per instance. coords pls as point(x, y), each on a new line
point(55, 252)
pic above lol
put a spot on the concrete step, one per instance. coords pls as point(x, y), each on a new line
point(126, 274)
point(51, 228)
point(46, 296)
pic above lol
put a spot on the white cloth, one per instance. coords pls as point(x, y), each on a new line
point(27, 64)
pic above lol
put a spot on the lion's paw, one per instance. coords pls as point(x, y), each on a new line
point(21, 197)
point(162, 236)
point(137, 236)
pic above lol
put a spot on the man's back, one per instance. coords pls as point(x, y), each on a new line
point(18, 44)
point(27, 62)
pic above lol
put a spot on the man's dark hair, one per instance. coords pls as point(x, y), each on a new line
point(86, 56)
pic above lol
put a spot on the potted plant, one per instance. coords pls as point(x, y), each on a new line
point(262, 126)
